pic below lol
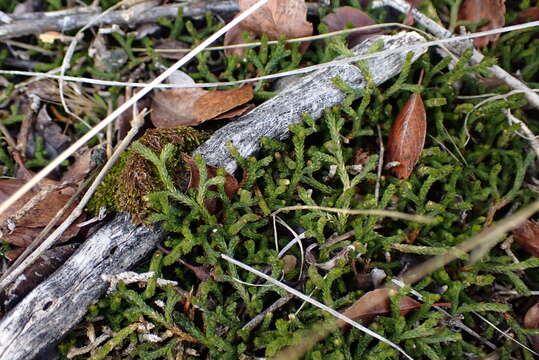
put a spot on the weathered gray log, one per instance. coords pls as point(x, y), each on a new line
point(312, 95)
point(58, 304)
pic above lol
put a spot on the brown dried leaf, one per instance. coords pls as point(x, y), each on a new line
point(360, 157)
point(55, 140)
point(85, 161)
point(215, 103)
point(32, 222)
point(531, 321)
point(192, 106)
point(345, 15)
point(21, 237)
point(236, 112)
point(376, 302)
point(527, 235)
point(201, 272)
point(476, 10)
point(407, 137)
point(123, 124)
point(171, 108)
point(235, 36)
point(278, 18)
point(531, 14)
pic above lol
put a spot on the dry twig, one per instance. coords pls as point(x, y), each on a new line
point(63, 21)
point(459, 47)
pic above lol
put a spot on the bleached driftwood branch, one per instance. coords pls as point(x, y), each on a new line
point(312, 95)
point(44, 316)
point(58, 304)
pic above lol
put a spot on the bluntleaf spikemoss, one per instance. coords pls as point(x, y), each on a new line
point(470, 174)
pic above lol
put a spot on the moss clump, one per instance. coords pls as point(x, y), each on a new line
point(127, 185)
point(105, 193)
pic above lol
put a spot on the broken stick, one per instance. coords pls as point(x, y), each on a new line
point(312, 95)
point(46, 314)
point(60, 21)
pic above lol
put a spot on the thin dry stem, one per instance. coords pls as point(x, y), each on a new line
point(286, 73)
point(316, 303)
point(371, 212)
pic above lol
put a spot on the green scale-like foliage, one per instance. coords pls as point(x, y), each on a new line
point(129, 183)
point(473, 171)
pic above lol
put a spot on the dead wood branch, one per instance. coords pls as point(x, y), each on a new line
point(312, 95)
point(56, 305)
point(44, 22)
point(59, 303)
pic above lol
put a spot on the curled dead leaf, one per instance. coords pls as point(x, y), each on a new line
point(275, 19)
point(477, 10)
point(347, 15)
point(192, 106)
point(407, 137)
point(377, 302)
point(527, 235)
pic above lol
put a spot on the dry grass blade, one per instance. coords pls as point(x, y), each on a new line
point(316, 303)
point(304, 70)
point(372, 212)
point(111, 117)
point(484, 238)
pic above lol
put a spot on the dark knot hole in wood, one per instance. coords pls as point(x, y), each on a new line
point(112, 250)
point(47, 305)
